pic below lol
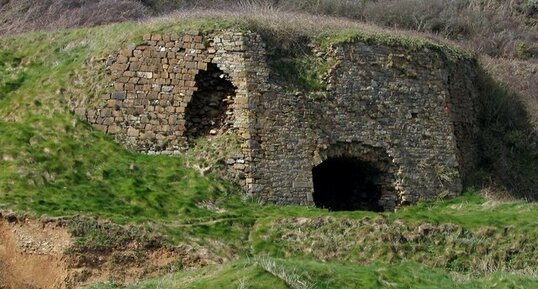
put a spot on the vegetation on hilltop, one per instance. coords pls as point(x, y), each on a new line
point(492, 27)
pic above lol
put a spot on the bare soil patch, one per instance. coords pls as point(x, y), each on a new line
point(44, 254)
point(31, 253)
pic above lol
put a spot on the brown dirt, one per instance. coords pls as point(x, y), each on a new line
point(41, 254)
point(31, 253)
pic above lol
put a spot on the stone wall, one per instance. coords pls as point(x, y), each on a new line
point(409, 114)
point(402, 110)
point(154, 84)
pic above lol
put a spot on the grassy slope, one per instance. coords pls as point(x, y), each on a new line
point(54, 164)
point(279, 273)
point(51, 163)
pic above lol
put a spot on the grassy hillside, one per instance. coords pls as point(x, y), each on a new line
point(53, 164)
point(297, 274)
point(466, 242)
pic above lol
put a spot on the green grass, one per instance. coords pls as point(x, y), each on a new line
point(472, 211)
point(296, 274)
point(70, 169)
point(304, 72)
point(412, 43)
point(11, 76)
point(231, 275)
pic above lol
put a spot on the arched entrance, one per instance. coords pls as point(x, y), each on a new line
point(347, 184)
point(210, 111)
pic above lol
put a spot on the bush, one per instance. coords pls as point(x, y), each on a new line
point(519, 76)
point(490, 27)
point(25, 15)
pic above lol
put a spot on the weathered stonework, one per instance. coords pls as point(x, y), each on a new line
point(410, 116)
point(379, 98)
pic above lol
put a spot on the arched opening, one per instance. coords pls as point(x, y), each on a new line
point(347, 184)
point(210, 111)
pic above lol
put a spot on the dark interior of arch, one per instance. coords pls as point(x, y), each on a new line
point(347, 184)
point(210, 110)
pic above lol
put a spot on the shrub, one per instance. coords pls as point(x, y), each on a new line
point(25, 15)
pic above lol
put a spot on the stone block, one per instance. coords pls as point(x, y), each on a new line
point(118, 86)
point(114, 129)
point(187, 38)
point(122, 59)
point(191, 65)
point(119, 67)
point(100, 127)
point(144, 74)
point(167, 88)
point(156, 87)
point(202, 65)
point(129, 87)
point(134, 66)
point(133, 132)
point(119, 95)
point(129, 74)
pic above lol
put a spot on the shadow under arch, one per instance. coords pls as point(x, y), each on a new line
point(355, 177)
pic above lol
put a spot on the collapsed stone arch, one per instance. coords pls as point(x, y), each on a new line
point(355, 177)
point(210, 110)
